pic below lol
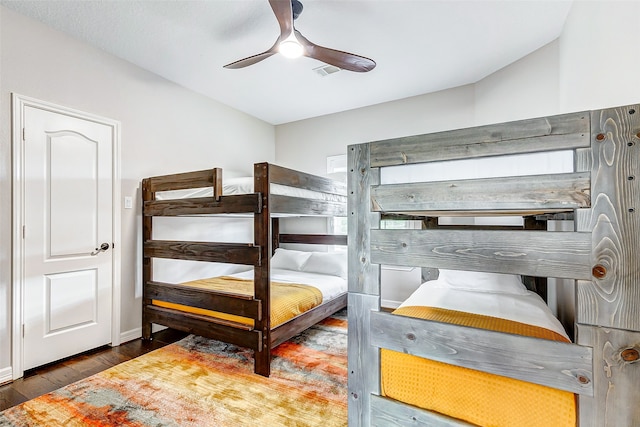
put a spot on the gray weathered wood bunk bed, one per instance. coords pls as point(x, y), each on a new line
point(601, 366)
point(264, 205)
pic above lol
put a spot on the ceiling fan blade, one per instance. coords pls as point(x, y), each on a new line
point(344, 60)
point(245, 62)
point(241, 63)
point(284, 14)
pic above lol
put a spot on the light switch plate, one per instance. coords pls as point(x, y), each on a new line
point(128, 202)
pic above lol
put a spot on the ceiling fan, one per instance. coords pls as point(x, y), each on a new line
point(293, 44)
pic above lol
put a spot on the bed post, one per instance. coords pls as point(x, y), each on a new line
point(608, 306)
point(275, 234)
point(262, 239)
point(364, 286)
point(147, 263)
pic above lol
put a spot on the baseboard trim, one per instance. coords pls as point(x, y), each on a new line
point(6, 375)
point(131, 335)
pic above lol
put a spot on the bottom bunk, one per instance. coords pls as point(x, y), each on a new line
point(496, 302)
point(306, 287)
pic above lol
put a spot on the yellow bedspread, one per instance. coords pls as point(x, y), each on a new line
point(287, 299)
point(476, 397)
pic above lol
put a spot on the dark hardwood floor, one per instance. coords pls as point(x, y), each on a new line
point(51, 377)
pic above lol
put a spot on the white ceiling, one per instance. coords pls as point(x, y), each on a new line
point(420, 46)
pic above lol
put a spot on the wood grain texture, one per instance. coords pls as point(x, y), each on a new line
point(187, 180)
point(293, 178)
point(527, 252)
point(293, 327)
point(616, 380)
point(602, 196)
point(234, 204)
point(553, 133)
point(390, 413)
point(300, 206)
point(203, 326)
point(225, 302)
point(231, 253)
point(262, 272)
point(364, 277)
point(147, 262)
point(520, 193)
point(614, 299)
point(550, 363)
point(363, 359)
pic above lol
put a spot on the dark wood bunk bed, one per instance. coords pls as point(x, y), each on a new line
point(602, 364)
point(264, 206)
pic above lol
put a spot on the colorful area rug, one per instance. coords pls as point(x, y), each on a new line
point(200, 382)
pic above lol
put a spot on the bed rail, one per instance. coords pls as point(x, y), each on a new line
point(600, 253)
point(187, 180)
point(568, 131)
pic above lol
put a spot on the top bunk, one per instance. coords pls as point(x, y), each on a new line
point(273, 189)
point(598, 194)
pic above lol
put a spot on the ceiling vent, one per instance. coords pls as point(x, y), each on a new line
point(325, 70)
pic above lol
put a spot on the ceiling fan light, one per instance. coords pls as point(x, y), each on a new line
point(290, 48)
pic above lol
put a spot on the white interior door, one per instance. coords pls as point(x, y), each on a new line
point(67, 236)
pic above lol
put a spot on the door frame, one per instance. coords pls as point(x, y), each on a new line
point(19, 102)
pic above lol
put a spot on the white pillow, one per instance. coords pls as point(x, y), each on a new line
point(482, 282)
point(288, 259)
point(242, 185)
point(329, 263)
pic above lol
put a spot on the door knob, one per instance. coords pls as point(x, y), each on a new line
point(103, 247)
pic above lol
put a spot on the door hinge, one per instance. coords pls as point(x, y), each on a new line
point(24, 232)
point(23, 330)
point(24, 133)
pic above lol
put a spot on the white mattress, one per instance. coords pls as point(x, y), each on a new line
point(330, 286)
point(528, 308)
point(244, 185)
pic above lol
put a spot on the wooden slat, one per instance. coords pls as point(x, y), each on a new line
point(182, 181)
point(225, 302)
point(364, 277)
point(202, 325)
point(550, 363)
point(300, 206)
point(364, 286)
point(261, 274)
point(616, 377)
point(522, 193)
point(363, 359)
point(528, 252)
point(292, 327)
point(234, 204)
point(554, 133)
point(294, 178)
point(314, 239)
point(391, 413)
point(613, 298)
point(232, 253)
point(147, 262)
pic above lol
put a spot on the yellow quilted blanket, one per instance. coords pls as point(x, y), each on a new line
point(476, 397)
point(287, 299)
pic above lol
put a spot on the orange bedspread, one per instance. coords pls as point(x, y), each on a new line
point(287, 299)
point(476, 397)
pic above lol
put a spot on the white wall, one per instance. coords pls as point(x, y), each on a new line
point(165, 129)
point(307, 143)
point(599, 61)
point(525, 89)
